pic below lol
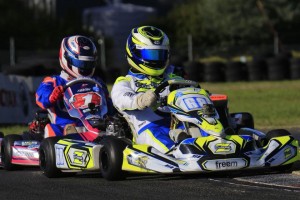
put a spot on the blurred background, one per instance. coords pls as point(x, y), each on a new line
point(212, 40)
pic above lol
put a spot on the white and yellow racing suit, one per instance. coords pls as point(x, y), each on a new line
point(148, 126)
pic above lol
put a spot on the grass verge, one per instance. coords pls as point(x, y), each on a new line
point(273, 104)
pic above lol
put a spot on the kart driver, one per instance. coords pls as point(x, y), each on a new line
point(148, 54)
point(77, 57)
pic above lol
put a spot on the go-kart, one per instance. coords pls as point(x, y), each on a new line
point(210, 145)
point(17, 150)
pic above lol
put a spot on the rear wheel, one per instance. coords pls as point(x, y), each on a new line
point(277, 133)
point(7, 152)
point(111, 158)
point(48, 158)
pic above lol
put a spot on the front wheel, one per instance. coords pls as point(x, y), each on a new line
point(48, 158)
point(7, 151)
point(111, 158)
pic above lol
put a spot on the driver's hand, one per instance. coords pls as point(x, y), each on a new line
point(56, 94)
point(146, 100)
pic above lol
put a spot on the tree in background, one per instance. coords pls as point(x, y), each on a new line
point(34, 29)
point(223, 24)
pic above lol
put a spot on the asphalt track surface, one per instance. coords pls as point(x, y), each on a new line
point(31, 184)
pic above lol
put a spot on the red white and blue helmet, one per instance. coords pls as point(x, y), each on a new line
point(78, 56)
point(148, 50)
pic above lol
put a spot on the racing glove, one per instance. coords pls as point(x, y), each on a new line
point(146, 100)
point(56, 94)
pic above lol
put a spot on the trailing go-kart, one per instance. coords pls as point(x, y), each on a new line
point(216, 141)
point(17, 150)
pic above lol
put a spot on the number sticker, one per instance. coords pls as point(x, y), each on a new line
point(82, 100)
point(193, 103)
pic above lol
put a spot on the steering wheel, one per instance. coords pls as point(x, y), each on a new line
point(165, 84)
point(163, 100)
point(81, 80)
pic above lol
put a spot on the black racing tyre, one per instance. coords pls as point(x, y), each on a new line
point(111, 158)
point(48, 158)
point(214, 72)
point(257, 70)
point(277, 133)
point(194, 70)
point(295, 68)
point(235, 71)
point(6, 151)
point(278, 68)
point(247, 120)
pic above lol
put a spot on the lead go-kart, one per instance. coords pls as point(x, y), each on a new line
point(217, 141)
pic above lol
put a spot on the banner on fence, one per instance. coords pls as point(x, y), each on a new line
point(17, 98)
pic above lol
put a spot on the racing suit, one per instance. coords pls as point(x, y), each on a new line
point(148, 125)
point(58, 114)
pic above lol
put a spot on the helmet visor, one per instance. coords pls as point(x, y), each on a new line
point(153, 54)
point(82, 64)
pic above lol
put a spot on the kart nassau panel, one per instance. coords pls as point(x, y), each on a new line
point(212, 154)
point(77, 155)
point(25, 152)
point(78, 97)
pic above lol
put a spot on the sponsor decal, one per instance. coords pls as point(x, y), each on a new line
point(84, 90)
point(22, 152)
point(225, 164)
point(170, 166)
point(86, 48)
point(287, 152)
point(141, 124)
point(223, 147)
point(140, 161)
point(129, 94)
point(28, 143)
point(34, 146)
point(196, 156)
point(147, 85)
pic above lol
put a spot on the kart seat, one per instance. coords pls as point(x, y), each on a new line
point(70, 129)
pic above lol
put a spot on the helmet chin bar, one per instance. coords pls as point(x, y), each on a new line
point(76, 73)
